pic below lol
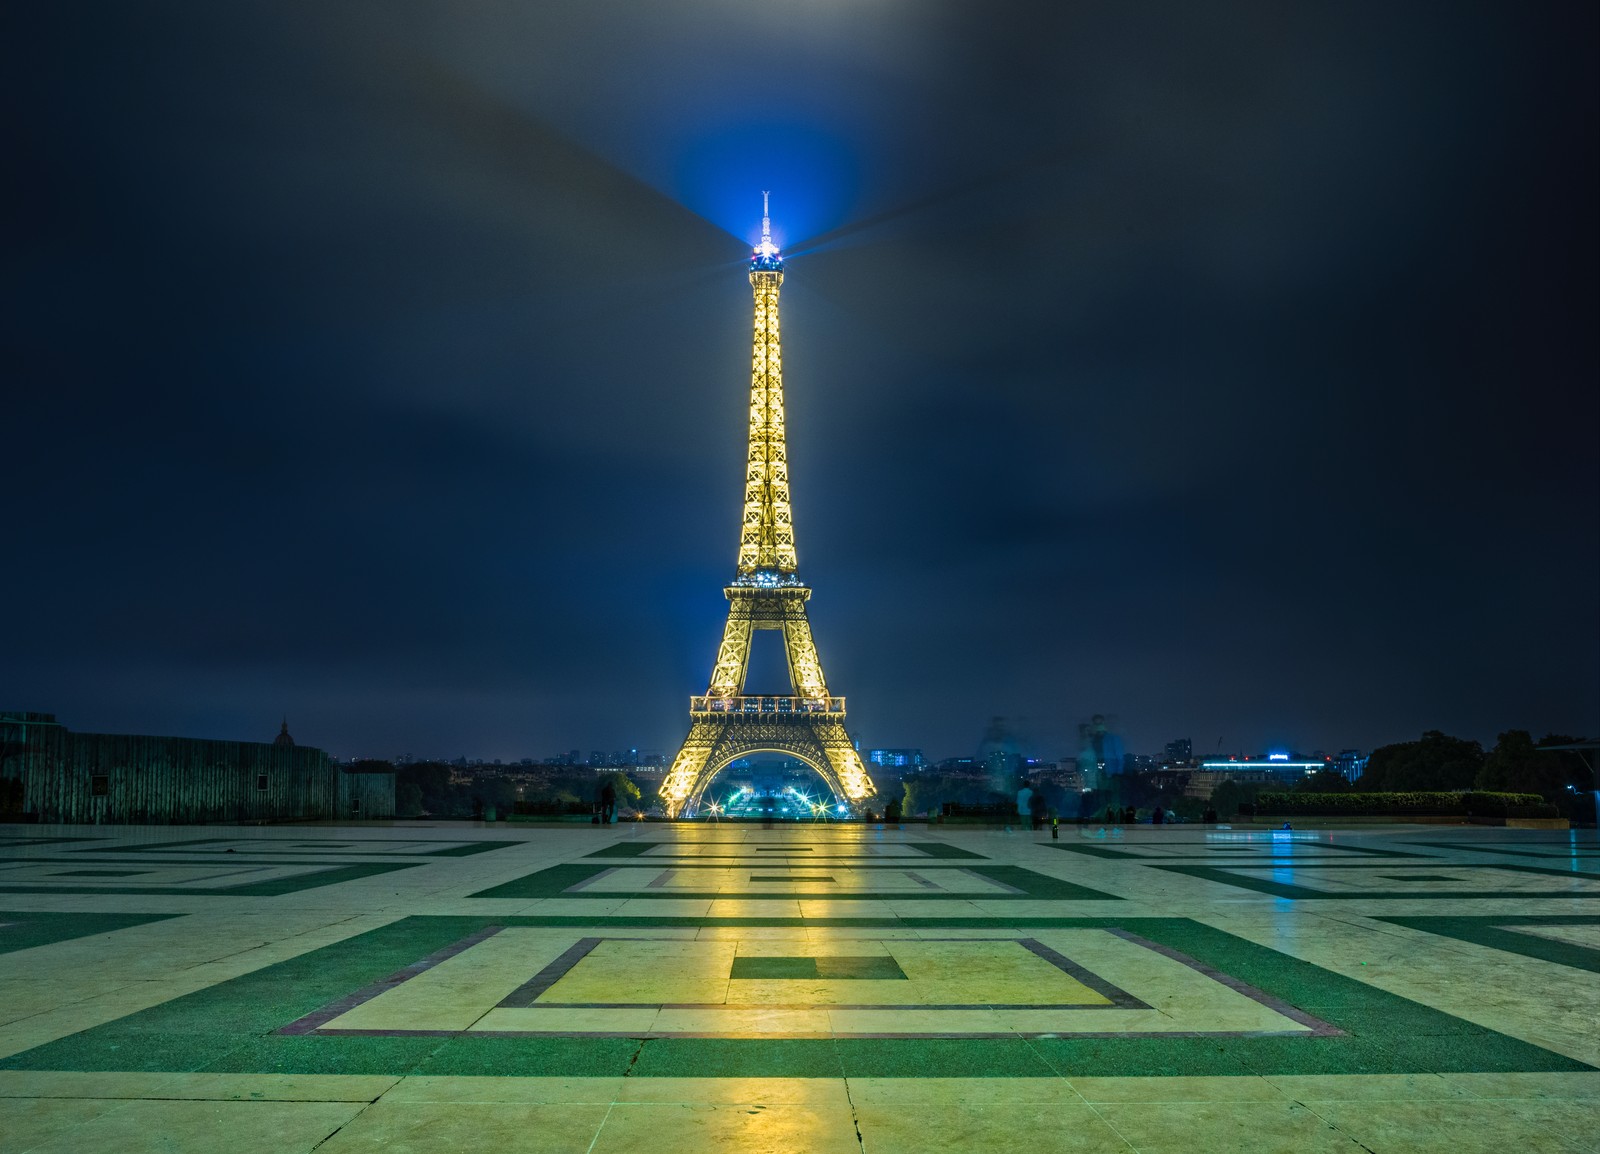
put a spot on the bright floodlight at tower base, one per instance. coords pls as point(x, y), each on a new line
point(766, 593)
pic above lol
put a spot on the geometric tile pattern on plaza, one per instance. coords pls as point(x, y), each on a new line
point(391, 846)
point(1305, 880)
point(243, 877)
point(798, 988)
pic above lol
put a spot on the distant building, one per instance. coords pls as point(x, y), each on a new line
point(1273, 770)
point(896, 758)
point(1180, 752)
point(1064, 773)
point(1283, 765)
point(1350, 763)
point(52, 774)
point(283, 737)
point(1099, 751)
point(1000, 751)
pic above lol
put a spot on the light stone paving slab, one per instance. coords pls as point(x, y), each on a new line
point(816, 1128)
point(1279, 1127)
point(1464, 1126)
point(204, 1127)
point(469, 1128)
point(522, 1091)
point(223, 1087)
point(939, 1127)
point(31, 1123)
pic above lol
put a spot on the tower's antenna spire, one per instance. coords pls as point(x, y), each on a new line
point(766, 257)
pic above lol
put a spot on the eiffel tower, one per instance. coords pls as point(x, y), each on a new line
point(766, 594)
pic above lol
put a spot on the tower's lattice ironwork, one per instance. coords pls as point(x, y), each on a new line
point(766, 593)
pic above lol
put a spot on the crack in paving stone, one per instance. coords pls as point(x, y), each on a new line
point(345, 1123)
point(855, 1116)
point(602, 1126)
point(634, 1061)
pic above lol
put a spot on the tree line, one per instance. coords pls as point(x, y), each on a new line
point(425, 789)
point(1516, 763)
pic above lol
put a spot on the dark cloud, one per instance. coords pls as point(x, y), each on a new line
point(1229, 369)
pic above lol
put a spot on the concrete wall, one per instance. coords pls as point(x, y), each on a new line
point(366, 795)
point(95, 778)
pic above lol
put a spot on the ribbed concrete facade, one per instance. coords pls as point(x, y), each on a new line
point(107, 778)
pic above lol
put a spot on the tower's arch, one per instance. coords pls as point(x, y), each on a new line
point(809, 758)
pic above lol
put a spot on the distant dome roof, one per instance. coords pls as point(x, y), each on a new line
point(283, 737)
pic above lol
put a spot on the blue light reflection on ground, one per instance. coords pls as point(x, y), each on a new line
point(1282, 840)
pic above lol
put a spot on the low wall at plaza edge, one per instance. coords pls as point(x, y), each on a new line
point(52, 774)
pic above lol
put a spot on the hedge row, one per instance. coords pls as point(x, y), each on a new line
point(552, 808)
point(1469, 804)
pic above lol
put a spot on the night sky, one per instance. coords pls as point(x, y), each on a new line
point(1229, 369)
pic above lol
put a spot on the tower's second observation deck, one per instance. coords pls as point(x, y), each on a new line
point(758, 706)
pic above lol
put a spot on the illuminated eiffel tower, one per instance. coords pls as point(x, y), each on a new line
point(766, 594)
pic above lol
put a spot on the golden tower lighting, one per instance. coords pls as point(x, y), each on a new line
point(726, 723)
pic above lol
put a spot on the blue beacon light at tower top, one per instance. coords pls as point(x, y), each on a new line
point(766, 257)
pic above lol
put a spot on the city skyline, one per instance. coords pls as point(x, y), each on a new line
point(393, 379)
point(1179, 752)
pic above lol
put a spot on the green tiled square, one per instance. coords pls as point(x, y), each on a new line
point(735, 1058)
point(1142, 1057)
point(876, 968)
point(790, 878)
point(24, 930)
point(624, 849)
point(278, 1054)
point(1418, 878)
point(1385, 1021)
point(177, 1052)
point(474, 1056)
point(766, 969)
point(1279, 886)
point(940, 1058)
point(940, 849)
point(1342, 1055)
point(331, 873)
point(1486, 1051)
point(871, 968)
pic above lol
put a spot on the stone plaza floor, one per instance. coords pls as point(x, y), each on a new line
point(430, 987)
